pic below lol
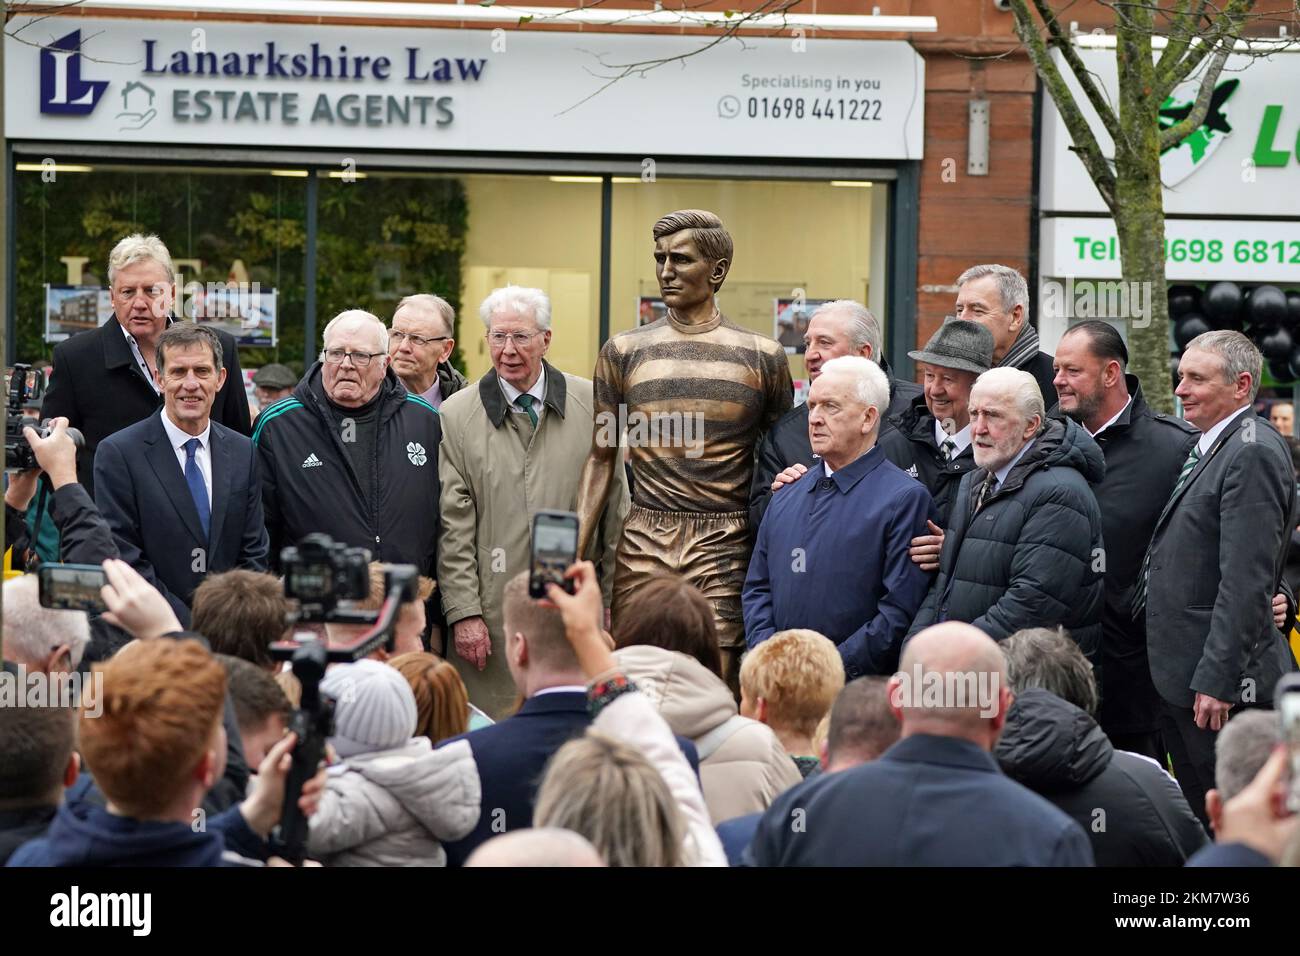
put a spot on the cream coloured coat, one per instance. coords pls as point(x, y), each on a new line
point(496, 474)
point(749, 767)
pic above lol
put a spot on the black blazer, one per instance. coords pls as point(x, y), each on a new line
point(98, 386)
point(141, 491)
point(1217, 555)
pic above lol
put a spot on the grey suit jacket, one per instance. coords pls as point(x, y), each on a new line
point(1217, 555)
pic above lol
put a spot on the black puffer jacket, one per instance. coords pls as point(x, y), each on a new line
point(1134, 813)
point(1033, 555)
point(911, 445)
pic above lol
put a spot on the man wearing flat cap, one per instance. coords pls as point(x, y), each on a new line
point(272, 383)
point(931, 439)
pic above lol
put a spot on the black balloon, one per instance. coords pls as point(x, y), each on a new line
point(1268, 306)
point(1293, 308)
point(1222, 304)
point(1281, 371)
point(1276, 345)
point(1183, 299)
point(1294, 364)
point(1188, 328)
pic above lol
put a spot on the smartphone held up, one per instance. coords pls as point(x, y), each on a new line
point(554, 548)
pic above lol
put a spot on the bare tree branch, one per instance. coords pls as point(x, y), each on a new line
point(1181, 33)
point(1064, 43)
point(730, 31)
point(1080, 130)
point(1185, 127)
point(1225, 31)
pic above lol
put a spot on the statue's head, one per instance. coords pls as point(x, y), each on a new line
point(692, 257)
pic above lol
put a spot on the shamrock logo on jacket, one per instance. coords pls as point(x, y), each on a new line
point(415, 452)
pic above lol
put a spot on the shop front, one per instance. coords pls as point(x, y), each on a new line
point(1232, 205)
point(298, 170)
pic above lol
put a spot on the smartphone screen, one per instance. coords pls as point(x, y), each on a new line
point(71, 587)
point(1288, 712)
point(555, 548)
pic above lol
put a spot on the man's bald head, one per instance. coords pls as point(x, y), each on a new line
point(538, 846)
point(952, 682)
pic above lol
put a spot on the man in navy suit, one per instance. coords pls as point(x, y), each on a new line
point(104, 379)
point(511, 756)
point(833, 550)
point(183, 494)
point(937, 797)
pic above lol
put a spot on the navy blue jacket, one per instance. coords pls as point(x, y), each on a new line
point(140, 490)
point(85, 834)
point(832, 555)
point(511, 757)
point(1229, 854)
point(928, 801)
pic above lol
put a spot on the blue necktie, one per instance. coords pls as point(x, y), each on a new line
point(198, 490)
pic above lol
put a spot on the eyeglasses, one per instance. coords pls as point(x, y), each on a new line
point(397, 337)
point(521, 339)
point(359, 359)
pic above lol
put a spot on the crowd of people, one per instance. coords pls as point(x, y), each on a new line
point(1009, 616)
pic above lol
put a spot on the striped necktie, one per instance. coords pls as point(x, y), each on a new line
point(985, 489)
point(949, 449)
point(1140, 595)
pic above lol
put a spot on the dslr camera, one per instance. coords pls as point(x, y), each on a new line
point(23, 386)
point(320, 572)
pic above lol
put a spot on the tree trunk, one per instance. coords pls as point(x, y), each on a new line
point(1140, 223)
point(1139, 209)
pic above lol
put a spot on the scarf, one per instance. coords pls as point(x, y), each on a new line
point(1024, 348)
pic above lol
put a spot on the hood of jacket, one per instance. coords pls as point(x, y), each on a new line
point(1061, 444)
point(439, 788)
point(915, 420)
point(690, 697)
point(1050, 745)
point(85, 834)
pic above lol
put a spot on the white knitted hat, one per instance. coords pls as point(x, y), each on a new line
point(374, 707)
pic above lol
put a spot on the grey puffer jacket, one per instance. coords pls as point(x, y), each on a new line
point(396, 807)
point(1033, 556)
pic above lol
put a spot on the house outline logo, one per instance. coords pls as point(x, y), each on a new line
point(133, 119)
point(63, 91)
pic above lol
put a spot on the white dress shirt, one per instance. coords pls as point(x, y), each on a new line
point(961, 440)
point(1209, 438)
point(202, 454)
point(538, 391)
point(139, 359)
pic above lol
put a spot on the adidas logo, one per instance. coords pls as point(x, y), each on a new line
point(312, 461)
point(911, 470)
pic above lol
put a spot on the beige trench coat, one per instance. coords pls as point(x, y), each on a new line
point(495, 477)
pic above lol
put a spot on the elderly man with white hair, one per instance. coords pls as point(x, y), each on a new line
point(513, 443)
point(41, 639)
point(841, 327)
point(105, 379)
point(352, 453)
point(1023, 547)
point(832, 551)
